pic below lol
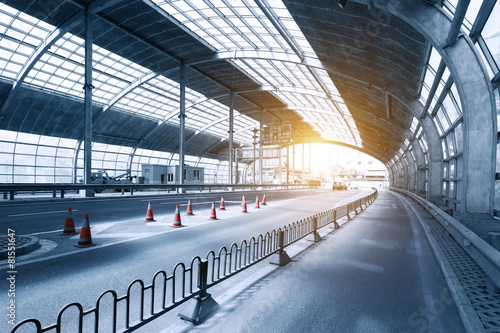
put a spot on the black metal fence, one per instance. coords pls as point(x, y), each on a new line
point(143, 303)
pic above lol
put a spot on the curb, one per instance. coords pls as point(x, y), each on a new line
point(470, 319)
point(29, 244)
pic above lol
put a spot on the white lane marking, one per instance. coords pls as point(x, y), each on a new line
point(342, 202)
point(98, 246)
point(40, 213)
point(192, 203)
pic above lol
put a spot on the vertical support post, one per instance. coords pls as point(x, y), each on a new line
point(12, 195)
point(348, 216)
point(293, 157)
point(287, 165)
point(261, 148)
point(315, 237)
point(335, 223)
point(236, 167)
point(303, 161)
point(62, 194)
point(182, 122)
point(280, 167)
point(5, 195)
point(202, 305)
point(87, 144)
point(281, 258)
point(309, 162)
point(54, 193)
point(254, 144)
point(231, 123)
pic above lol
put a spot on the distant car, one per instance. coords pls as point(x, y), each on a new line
point(339, 186)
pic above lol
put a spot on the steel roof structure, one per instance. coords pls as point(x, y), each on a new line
point(398, 80)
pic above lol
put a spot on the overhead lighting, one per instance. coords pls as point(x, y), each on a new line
point(342, 3)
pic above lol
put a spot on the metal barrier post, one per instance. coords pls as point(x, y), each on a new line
point(5, 195)
point(62, 194)
point(335, 224)
point(281, 258)
point(54, 194)
point(202, 305)
point(315, 237)
point(348, 216)
point(12, 195)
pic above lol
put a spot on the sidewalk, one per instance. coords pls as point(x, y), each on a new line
point(375, 274)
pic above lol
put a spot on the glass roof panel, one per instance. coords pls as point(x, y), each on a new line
point(243, 25)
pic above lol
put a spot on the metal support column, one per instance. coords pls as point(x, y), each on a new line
point(254, 160)
point(293, 157)
point(231, 120)
point(182, 122)
point(309, 162)
point(287, 165)
point(280, 163)
point(87, 143)
point(261, 150)
point(303, 161)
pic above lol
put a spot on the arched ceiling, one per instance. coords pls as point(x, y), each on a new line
point(342, 75)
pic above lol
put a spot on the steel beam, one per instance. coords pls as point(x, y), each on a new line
point(458, 19)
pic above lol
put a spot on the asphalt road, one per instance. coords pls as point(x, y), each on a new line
point(128, 248)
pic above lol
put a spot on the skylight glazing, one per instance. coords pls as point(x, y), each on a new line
point(20, 35)
point(252, 26)
point(61, 69)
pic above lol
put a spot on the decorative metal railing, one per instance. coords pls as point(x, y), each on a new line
point(166, 292)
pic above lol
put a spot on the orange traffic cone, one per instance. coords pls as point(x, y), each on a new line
point(149, 214)
point(213, 215)
point(69, 224)
point(257, 202)
point(85, 236)
point(222, 204)
point(244, 205)
point(263, 203)
point(177, 217)
point(189, 210)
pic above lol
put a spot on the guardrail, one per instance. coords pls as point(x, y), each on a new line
point(10, 190)
point(487, 257)
point(190, 283)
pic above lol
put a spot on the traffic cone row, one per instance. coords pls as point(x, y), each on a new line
point(86, 237)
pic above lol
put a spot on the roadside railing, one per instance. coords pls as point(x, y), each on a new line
point(486, 256)
point(11, 190)
point(144, 303)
